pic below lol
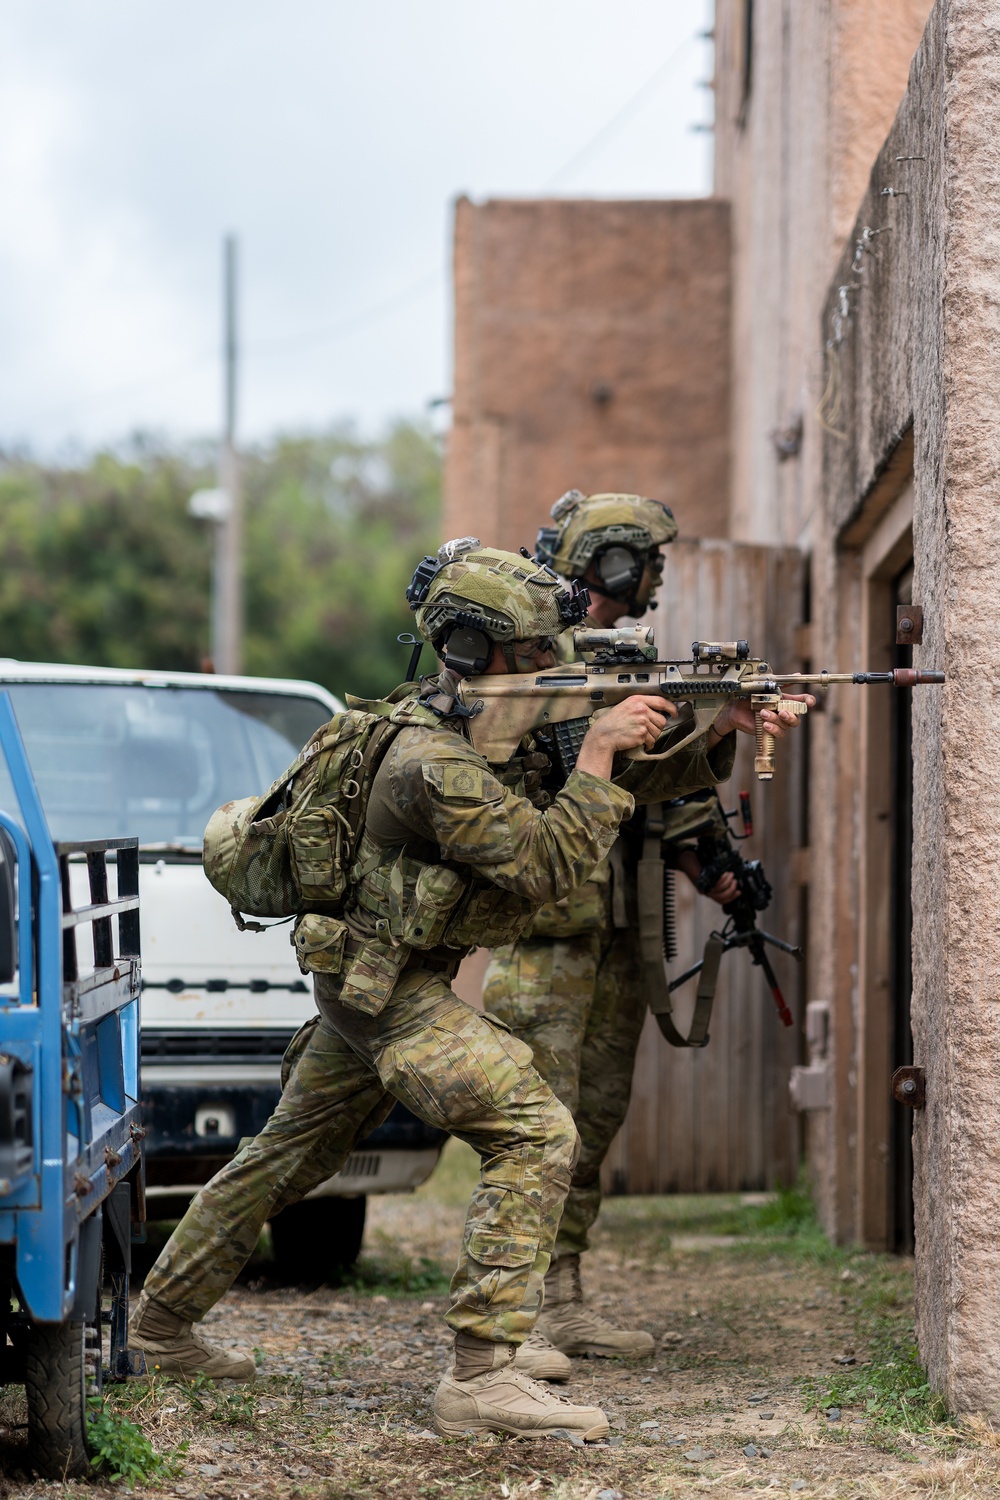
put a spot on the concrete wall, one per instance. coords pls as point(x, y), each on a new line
point(793, 158)
point(591, 351)
point(922, 345)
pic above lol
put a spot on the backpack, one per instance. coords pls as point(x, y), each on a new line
point(291, 850)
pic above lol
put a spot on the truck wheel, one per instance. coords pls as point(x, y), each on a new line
point(316, 1240)
point(61, 1372)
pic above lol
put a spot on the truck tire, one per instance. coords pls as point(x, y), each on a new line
point(59, 1376)
point(318, 1239)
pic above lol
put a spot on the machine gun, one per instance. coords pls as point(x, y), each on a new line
point(619, 664)
point(703, 821)
point(719, 856)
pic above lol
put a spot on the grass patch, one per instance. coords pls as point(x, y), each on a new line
point(121, 1451)
point(388, 1270)
point(891, 1392)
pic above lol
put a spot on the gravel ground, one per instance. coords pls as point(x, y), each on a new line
point(751, 1328)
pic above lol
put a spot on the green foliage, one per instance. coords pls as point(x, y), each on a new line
point(121, 1451)
point(104, 566)
point(391, 1271)
point(790, 1213)
point(890, 1391)
point(236, 1408)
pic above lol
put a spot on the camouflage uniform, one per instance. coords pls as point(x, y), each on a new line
point(391, 1026)
point(572, 988)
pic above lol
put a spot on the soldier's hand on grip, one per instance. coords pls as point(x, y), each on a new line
point(635, 723)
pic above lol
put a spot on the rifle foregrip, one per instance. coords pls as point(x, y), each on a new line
point(763, 761)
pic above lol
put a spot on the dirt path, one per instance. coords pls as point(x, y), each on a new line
point(755, 1323)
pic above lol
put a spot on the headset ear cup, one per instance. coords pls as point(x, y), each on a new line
point(619, 570)
point(468, 650)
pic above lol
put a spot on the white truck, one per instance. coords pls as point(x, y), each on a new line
point(152, 754)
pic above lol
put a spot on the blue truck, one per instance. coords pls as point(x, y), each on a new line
point(71, 1141)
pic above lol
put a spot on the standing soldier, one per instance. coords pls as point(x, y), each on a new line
point(448, 857)
point(572, 986)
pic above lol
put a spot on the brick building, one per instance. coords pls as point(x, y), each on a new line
point(842, 425)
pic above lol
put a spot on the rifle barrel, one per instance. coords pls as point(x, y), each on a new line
point(903, 677)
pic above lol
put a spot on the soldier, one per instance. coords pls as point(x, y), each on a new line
point(449, 857)
point(572, 986)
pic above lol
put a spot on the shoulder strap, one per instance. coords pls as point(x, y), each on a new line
point(651, 876)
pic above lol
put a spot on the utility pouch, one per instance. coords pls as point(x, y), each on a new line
point(318, 849)
point(436, 892)
point(371, 976)
point(489, 917)
point(319, 943)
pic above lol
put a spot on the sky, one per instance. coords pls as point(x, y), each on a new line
point(332, 139)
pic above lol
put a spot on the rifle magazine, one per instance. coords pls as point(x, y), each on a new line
point(568, 736)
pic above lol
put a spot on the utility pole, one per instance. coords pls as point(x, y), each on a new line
point(227, 603)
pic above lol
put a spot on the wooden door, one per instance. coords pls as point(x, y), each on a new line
point(719, 1118)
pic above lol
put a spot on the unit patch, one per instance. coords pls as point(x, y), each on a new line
point(462, 783)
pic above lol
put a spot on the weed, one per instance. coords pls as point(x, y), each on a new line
point(393, 1273)
point(892, 1392)
point(121, 1451)
point(233, 1408)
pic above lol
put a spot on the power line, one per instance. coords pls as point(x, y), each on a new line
point(608, 131)
point(352, 322)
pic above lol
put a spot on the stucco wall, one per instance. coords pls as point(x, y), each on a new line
point(591, 351)
point(922, 344)
point(793, 158)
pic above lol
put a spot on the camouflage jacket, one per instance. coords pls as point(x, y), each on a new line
point(589, 906)
point(451, 858)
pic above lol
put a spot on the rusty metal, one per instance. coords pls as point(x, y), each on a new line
point(909, 1087)
point(909, 624)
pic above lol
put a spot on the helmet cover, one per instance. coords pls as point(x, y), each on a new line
point(507, 596)
point(587, 525)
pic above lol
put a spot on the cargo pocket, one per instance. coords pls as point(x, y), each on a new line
point(491, 1067)
point(507, 1235)
point(319, 943)
point(290, 1061)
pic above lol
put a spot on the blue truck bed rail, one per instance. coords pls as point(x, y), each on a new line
point(70, 1133)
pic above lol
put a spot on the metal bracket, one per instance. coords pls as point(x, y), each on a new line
point(909, 624)
point(909, 1087)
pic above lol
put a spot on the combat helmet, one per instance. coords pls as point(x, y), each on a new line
point(467, 596)
point(618, 533)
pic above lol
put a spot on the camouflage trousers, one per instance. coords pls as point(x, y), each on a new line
point(580, 1005)
point(455, 1069)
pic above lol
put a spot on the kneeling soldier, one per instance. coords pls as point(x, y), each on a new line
point(450, 857)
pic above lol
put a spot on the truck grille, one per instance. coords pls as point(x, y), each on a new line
point(218, 1046)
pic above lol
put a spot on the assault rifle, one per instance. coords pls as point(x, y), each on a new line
point(618, 664)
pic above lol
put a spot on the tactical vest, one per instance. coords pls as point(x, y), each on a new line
point(405, 903)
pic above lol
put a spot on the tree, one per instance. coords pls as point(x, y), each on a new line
point(104, 566)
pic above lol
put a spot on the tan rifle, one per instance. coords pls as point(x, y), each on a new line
point(618, 664)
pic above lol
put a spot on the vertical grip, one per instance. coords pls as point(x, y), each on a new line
point(763, 761)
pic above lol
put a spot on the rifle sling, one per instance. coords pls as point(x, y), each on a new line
point(650, 877)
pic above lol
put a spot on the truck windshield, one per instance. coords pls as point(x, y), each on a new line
point(113, 760)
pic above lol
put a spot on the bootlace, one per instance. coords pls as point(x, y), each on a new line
point(538, 1388)
point(537, 1340)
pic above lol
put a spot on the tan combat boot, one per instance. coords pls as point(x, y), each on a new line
point(573, 1327)
point(540, 1359)
point(485, 1393)
point(174, 1346)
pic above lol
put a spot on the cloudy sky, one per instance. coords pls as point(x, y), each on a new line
point(332, 138)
